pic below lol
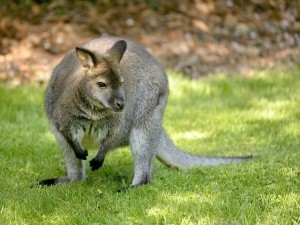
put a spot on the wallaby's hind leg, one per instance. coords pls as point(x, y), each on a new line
point(74, 166)
point(143, 150)
point(144, 140)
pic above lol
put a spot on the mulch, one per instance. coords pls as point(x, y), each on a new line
point(196, 37)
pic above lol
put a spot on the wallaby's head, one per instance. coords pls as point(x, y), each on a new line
point(101, 83)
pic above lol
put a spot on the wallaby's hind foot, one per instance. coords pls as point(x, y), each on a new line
point(54, 181)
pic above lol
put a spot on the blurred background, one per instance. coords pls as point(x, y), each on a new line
point(194, 37)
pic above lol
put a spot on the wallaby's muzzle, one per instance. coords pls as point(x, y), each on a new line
point(119, 105)
point(117, 102)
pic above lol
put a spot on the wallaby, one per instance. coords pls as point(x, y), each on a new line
point(107, 93)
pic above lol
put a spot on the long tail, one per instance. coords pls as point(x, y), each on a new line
point(171, 156)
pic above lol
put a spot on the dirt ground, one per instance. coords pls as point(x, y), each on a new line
point(193, 37)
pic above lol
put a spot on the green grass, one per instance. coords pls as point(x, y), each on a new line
point(213, 116)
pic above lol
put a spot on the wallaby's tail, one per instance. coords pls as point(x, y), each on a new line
point(171, 156)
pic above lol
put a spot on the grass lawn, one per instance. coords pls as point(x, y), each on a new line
point(217, 115)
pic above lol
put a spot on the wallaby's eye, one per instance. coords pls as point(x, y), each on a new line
point(101, 85)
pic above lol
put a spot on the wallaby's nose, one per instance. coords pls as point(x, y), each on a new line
point(120, 104)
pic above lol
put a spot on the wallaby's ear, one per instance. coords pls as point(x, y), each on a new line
point(116, 52)
point(85, 57)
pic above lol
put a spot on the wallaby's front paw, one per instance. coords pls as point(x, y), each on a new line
point(95, 164)
point(82, 154)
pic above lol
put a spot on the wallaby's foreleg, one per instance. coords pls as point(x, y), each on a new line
point(98, 160)
point(107, 143)
point(78, 150)
point(74, 166)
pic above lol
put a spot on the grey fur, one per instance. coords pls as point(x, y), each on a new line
point(107, 93)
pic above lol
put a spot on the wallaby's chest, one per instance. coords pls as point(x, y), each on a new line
point(91, 134)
